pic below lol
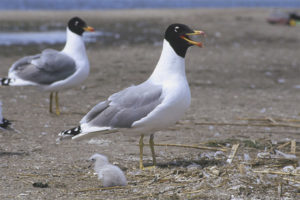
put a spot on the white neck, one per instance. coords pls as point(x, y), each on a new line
point(74, 47)
point(169, 64)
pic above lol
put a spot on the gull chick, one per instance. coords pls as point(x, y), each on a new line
point(54, 70)
point(153, 105)
point(110, 175)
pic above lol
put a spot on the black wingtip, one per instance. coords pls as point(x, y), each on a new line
point(5, 123)
point(5, 81)
point(70, 132)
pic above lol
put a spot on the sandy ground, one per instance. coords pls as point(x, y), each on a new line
point(248, 69)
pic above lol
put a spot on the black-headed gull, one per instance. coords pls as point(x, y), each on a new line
point(54, 70)
point(153, 105)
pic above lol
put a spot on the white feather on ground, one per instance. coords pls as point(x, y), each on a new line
point(109, 174)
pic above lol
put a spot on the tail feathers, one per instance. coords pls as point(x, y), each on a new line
point(5, 123)
point(77, 133)
point(5, 81)
point(95, 133)
point(69, 133)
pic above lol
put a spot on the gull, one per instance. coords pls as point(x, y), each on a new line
point(53, 70)
point(4, 123)
point(153, 105)
point(109, 174)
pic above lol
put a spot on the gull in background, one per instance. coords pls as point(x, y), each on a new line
point(54, 70)
point(4, 123)
point(153, 105)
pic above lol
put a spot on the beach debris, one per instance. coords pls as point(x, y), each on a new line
point(219, 155)
point(40, 185)
point(288, 168)
point(285, 155)
point(192, 146)
point(264, 155)
point(293, 147)
point(214, 170)
point(232, 153)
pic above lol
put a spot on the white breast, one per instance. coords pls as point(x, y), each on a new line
point(74, 48)
point(170, 74)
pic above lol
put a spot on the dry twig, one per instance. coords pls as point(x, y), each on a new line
point(192, 192)
point(232, 153)
point(249, 124)
point(101, 188)
point(288, 179)
point(268, 119)
point(276, 172)
point(284, 145)
point(191, 146)
point(293, 147)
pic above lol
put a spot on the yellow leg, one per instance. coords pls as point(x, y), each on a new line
point(50, 102)
point(141, 143)
point(151, 144)
point(57, 104)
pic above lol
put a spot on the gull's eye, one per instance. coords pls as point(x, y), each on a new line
point(93, 159)
point(76, 23)
point(176, 29)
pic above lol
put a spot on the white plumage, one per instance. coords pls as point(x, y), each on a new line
point(110, 175)
point(153, 105)
point(53, 70)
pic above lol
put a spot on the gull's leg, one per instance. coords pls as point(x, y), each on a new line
point(151, 144)
point(50, 102)
point(141, 143)
point(57, 104)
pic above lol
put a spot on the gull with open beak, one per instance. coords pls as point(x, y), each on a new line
point(153, 105)
point(54, 70)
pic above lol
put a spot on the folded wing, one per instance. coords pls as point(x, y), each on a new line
point(45, 68)
point(122, 109)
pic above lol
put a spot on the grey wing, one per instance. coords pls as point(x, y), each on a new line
point(96, 110)
point(45, 68)
point(122, 109)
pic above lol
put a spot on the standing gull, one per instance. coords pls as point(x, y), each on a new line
point(4, 123)
point(153, 105)
point(54, 70)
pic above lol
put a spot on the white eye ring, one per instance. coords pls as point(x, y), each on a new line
point(176, 28)
point(76, 23)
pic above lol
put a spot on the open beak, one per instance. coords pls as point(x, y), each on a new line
point(199, 44)
point(89, 29)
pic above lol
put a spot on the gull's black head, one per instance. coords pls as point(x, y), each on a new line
point(78, 26)
point(178, 37)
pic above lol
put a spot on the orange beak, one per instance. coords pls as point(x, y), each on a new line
point(89, 29)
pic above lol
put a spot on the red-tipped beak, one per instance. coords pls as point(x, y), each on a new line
point(89, 29)
point(199, 44)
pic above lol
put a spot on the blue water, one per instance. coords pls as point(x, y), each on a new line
point(135, 4)
point(47, 37)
